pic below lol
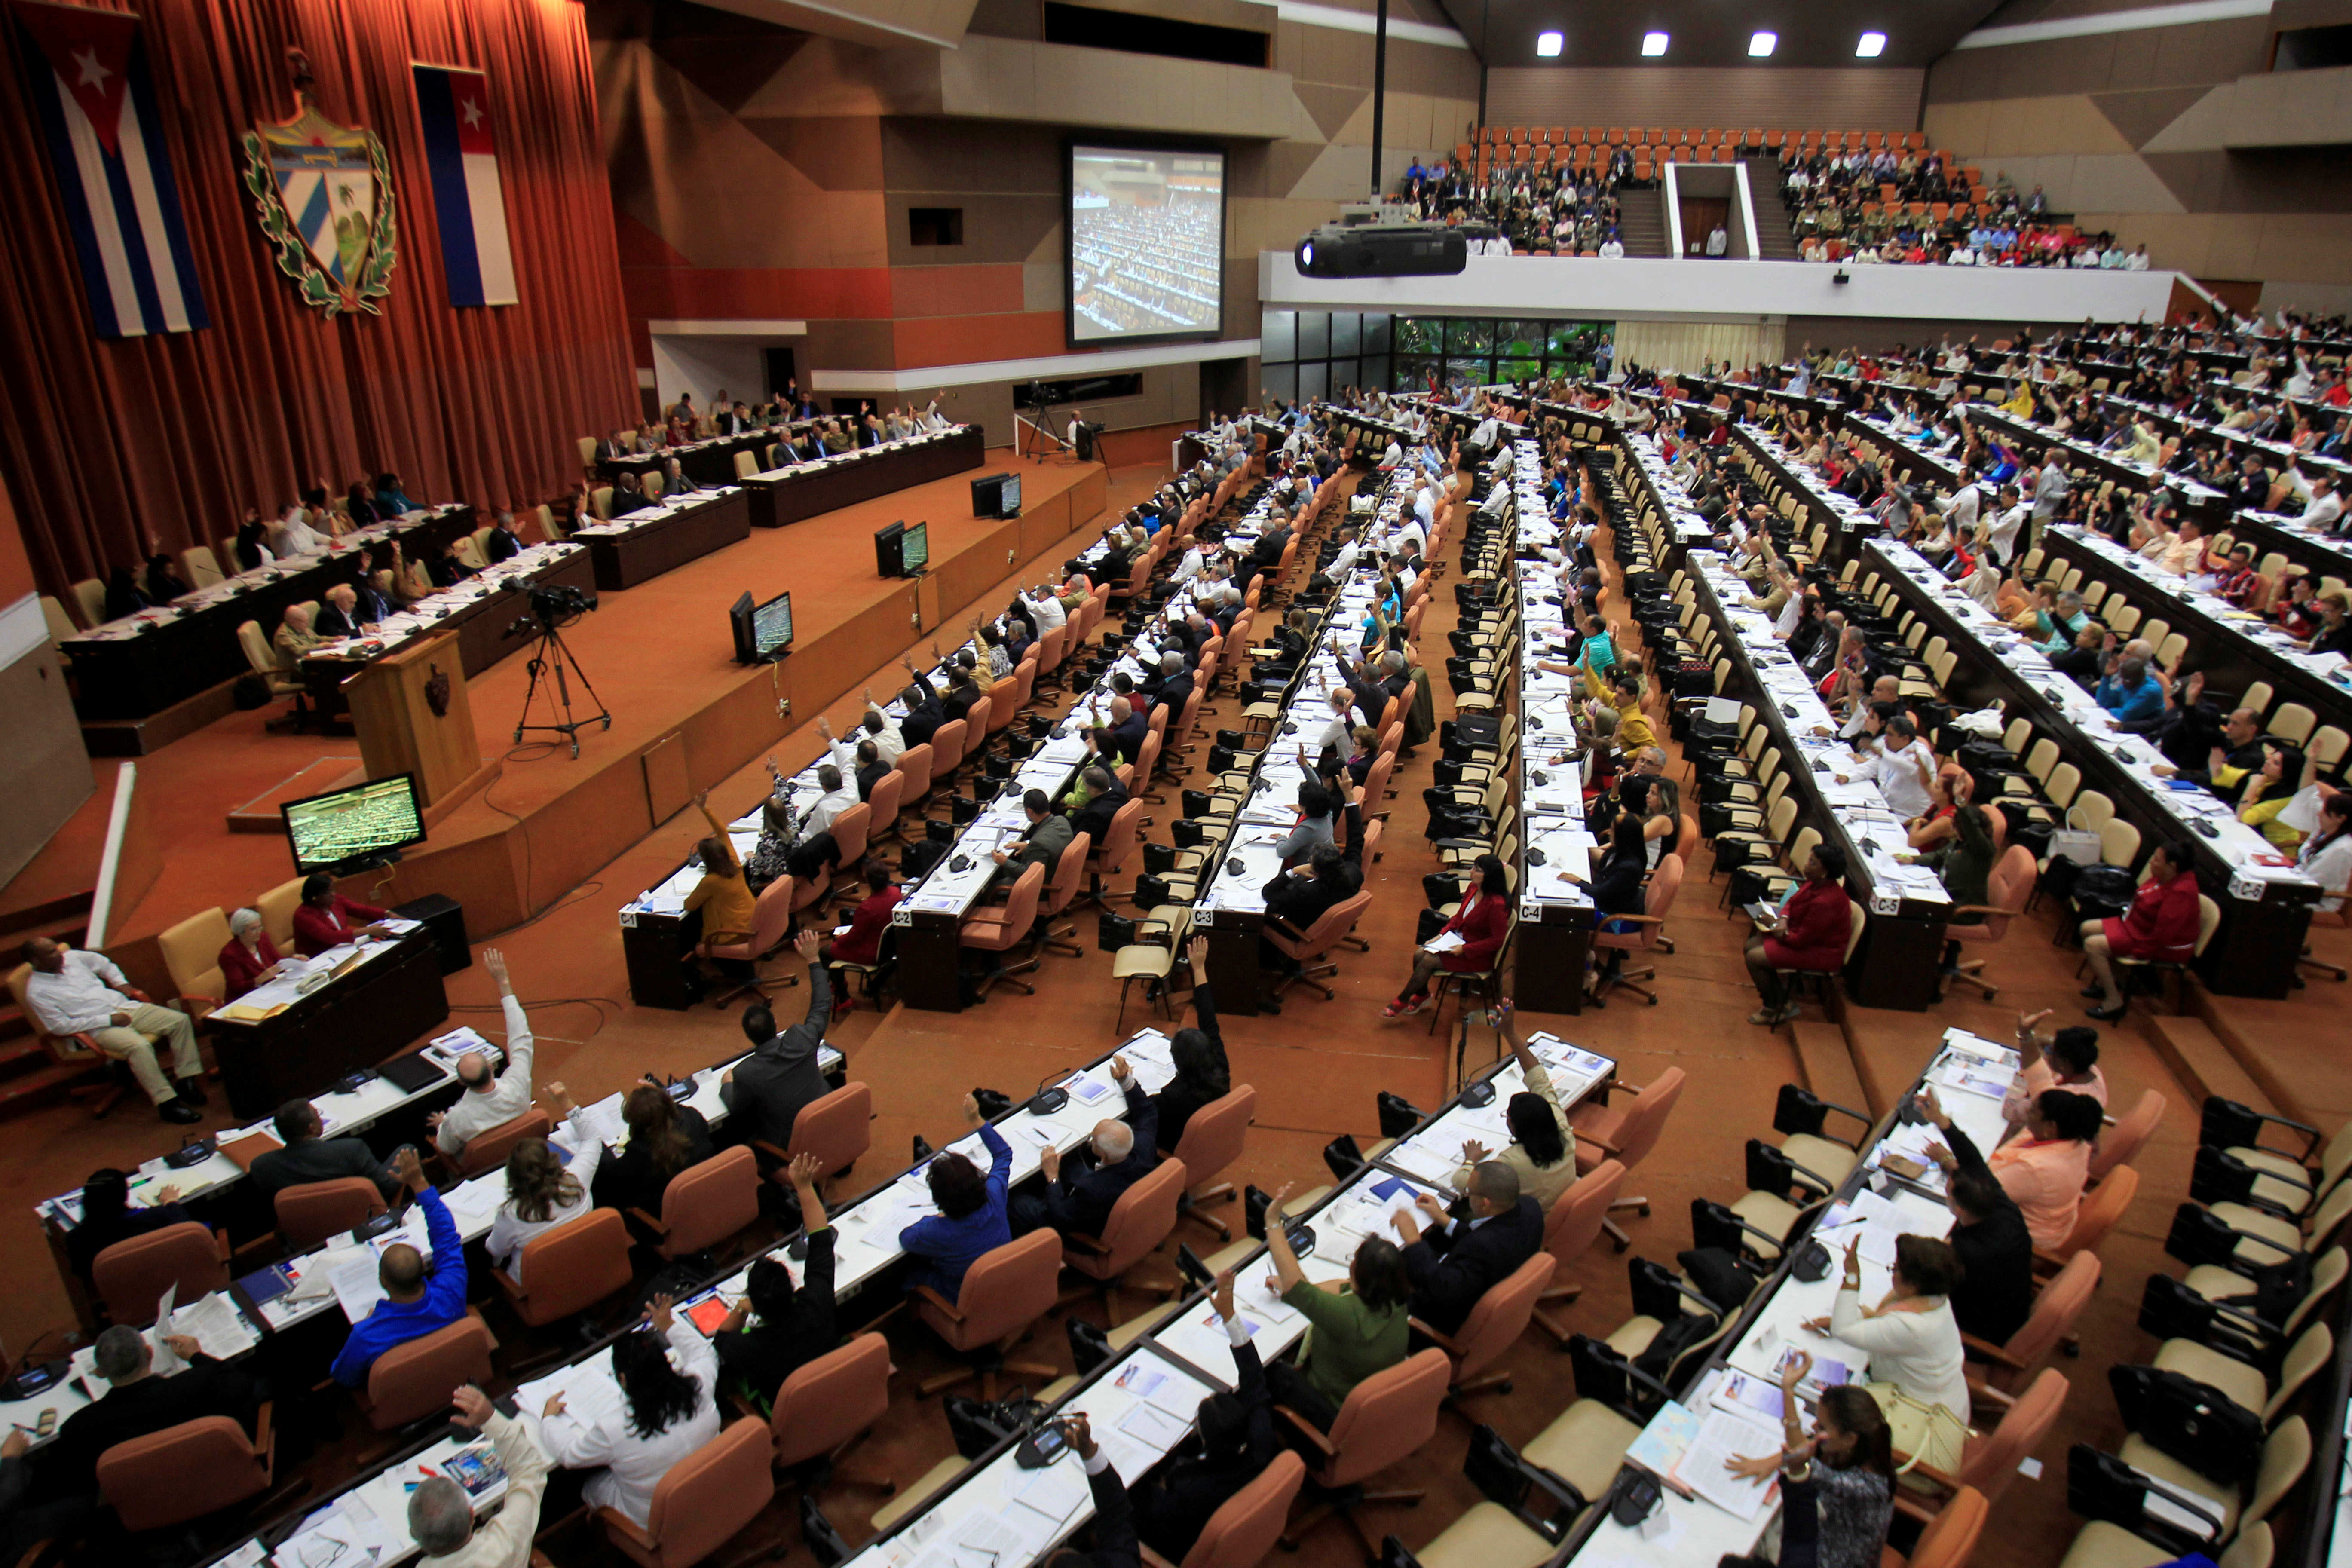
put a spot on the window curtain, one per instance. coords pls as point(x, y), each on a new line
point(109, 446)
point(1689, 345)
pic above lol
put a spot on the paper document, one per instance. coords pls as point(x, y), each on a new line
point(1723, 1437)
point(1443, 942)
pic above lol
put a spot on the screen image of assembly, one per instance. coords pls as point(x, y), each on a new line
point(915, 548)
point(761, 631)
point(347, 825)
point(996, 495)
point(1147, 243)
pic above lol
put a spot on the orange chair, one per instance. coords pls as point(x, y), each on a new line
point(1001, 932)
point(836, 1128)
point(827, 1406)
point(2101, 1207)
point(706, 1205)
point(131, 1276)
point(975, 732)
point(882, 815)
point(1069, 875)
point(701, 1502)
point(1143, 1217)
point(1950, 1538)
point(1003, 1294)
point(308, 1213)
point(2130, 1133)
point(1111, 855)
point(2005, 894)
point(1386, 1419)
point(1317, 941)
point(187, 1472)
point(411, 1382)
point(946, 753)
point(915, 768)
point(772, 921)
point(850, 831)
point(1989, 1462)
point(1003, 706)
point(1493, 1327)
point(1213, 1140)
point(1625, 1134)
point(1053, 646)
point(571, 1269)
point(1246, 1526)
point(489, 1149)
point(2061, 1302)
point(1649, 929)
point(1571, 1226)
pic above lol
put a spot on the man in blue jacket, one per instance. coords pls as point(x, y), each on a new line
point(2131, 694)
point(415, 1302)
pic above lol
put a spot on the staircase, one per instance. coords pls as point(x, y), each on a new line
point(1773, 240)
point(1641, 220)
point(30, 1079)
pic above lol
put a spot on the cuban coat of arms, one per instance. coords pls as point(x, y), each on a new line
point(324, 197)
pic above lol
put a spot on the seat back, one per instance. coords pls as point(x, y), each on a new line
point(2131, 1132)
point(2054, 1311)
point(882, 807)
point(1140, 1220)
point(1573, 1222)
point(836, 1128)
point(2006, 888)
point(1950, 1538)
point(1118, 839)
point(1001, 706)
point(202, 565)
point(2286, 1454)
point(277, 909)
point(308, 1213)
point(572, 1267)
point(1050, 646)
point(1990, 1462)
point(1069, 873)
point(831, 1399)
point(1246, 1527)
point(1857, 920)
point(1009, 1287)
point(2312, 1349)
point(975, 729)
point(1647, 1118)
point(191, 955)
point(707, 1204)
point(89, 598)
point(1213, 1137)
point(181, 1473)
point(131, 1276)
point(1664, 883)
point(850, 831)
point(712, 1493)
point(1330, 926)
point(412, 1382)
point(2101, 1208)
point(1501, 1316)
point(947, 746)
point(1387, 1418)
point(489, 1148)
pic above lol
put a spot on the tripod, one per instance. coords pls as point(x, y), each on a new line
point(550, 658)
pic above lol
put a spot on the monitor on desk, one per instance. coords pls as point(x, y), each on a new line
point(914, 548)
point(761, 631)
point(889, 560)
point(346, 828)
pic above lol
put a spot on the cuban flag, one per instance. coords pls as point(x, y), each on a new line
point(95, 103)
point(453, 105)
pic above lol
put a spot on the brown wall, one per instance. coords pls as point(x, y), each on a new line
point(44, 771)
point(1856, 99)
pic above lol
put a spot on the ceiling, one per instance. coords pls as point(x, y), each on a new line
point(1812, 32)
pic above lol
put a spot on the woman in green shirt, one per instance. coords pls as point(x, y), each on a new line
point(1357, 1330)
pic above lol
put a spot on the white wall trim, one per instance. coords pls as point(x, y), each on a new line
point(1670, 192)
point(728, 329)
point(1745, 243)
point(929, 377)
point(1345, 21)
point(2136, 20)
point(110, 859)
point(23, 629)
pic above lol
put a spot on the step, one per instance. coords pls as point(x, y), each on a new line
point(2202, 1062)
point(45, 1087)
point(1826, 1063)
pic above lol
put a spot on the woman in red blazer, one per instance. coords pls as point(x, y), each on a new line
point(250, 956)
point(862, 942)
point(1483, 921)
point(327, 919)
point(1810, 934)
point(2161, 925)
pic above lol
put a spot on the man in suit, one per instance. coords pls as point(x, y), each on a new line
point(1043, 845)
point(1104, 797)
point(502, 544)
point(1123, 736)
point(627, 497)
point(1116, 1544)
point(295, 639)
point(138, 1403)
point(924, 715)
point(732, 421)
point(865, 762)
point(1078, 1202)
point(1453, 1262)
point(339, 617)
point(1175, 685)
point(1238, 1440)
point(310, 1156)
point(766, 1091)
point(446, 570)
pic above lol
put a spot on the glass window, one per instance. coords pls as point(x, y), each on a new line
point(1520, 339)
point(1346, 328)
point(1419, 335)
point(1375, 374)
point(1312, 383)
point(1412, 373)
point(1277, 335)
point(1282, 380)
point(1314, 335)
point(1469, 336)
point(1571, 339)
point(1376, 334)
point(1343, 376)
point(1518, 370)
point(1461, 372)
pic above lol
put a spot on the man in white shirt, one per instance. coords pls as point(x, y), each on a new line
point(1613, 248)
point(292, 535)
point(441, 1514)
point(1904, 770)
point(1424, 508)
point(1344, 562)
point(1189, 568)
point(2137, 261)
point(1045, 608)
point(1393, 457)
point(74, 991)
point(2008, 524)
point(2049, 490)
point(2325, 506)
point(488, 1099)
point(839, 797)
point(1484, 435)
point(1719, 243)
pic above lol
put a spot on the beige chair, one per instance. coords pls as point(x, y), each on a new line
point(192, 957)
point(277, 909)
point(263, 661)
point(90, 601)
point(201, 565)
point(61, 627)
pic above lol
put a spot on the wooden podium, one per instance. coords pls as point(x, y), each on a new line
point(414, 717)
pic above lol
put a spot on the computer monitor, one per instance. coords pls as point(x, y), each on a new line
point(772, 627)
point(1008, 500)
point(914, 548)
point(887, 561)
point(346, 826)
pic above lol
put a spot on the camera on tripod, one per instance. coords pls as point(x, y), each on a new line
point(553, 605)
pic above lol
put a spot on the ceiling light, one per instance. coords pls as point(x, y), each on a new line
point(1653, 43)
point(1762, 43)
point(1547, 45)
point(1870, 46)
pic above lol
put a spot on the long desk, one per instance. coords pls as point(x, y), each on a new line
point(2321, 555)
point(482, 610)
point(143, 664)
point(643, 545)
point(787, 495)
point(2265, 908)
point(392, 995)
point(2193, 495)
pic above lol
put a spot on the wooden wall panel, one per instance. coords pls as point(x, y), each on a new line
point(1834, 99)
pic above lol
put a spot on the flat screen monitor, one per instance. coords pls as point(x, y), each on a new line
point(1008, 498)
point(331, 830)
point(915, 548)
point(771, 626)
point(887, 551)
point(1146, 243)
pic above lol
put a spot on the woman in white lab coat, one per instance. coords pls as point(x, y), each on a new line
point(669, 1375)
point(543, 1190)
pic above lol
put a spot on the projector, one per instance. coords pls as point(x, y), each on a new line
point(1382, 250)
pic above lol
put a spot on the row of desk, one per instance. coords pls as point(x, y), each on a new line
point(801, 491)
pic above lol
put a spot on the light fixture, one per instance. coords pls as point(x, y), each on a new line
point(1547, 45)
point(1653, 43)
point(1870, 46)
point(1762, 43)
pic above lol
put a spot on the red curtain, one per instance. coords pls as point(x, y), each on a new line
point(105, 445)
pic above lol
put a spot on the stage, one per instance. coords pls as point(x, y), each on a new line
point(685, 715)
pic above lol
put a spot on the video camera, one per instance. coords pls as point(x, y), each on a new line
point(553, 605)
